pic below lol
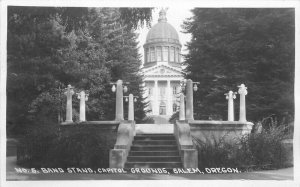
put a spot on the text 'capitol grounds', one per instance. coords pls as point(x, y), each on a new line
point(220, 170)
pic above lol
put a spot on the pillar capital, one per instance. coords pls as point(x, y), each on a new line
point(69, 90)
point(243, 90)
point(230, 95)
point(82, 95)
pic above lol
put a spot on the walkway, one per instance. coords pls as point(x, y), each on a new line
point(281, 174)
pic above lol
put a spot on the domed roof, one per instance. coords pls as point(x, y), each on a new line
point(162, 31)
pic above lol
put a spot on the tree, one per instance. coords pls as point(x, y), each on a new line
point(251, 46)
point(49, 48)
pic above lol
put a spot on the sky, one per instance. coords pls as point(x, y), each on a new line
point(175, 16)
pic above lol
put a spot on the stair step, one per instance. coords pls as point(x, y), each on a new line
point(146, 137)
point(153, 159)
point(153, 147)
point(155, 134)
point(153, 153)
point(153, 165)
point(154, 142)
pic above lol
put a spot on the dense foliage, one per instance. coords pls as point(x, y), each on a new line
point(49, 48)
point(234, 46)
point(63, 146)
point(252, 151)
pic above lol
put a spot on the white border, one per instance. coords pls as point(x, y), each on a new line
point(147, 3)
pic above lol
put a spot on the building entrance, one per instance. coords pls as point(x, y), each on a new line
point(162, 108)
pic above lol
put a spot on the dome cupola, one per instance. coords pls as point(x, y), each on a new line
point(162, 44)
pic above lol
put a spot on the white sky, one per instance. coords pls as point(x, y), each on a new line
point(175, 16)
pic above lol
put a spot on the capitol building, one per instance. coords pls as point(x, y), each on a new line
point(162, 68)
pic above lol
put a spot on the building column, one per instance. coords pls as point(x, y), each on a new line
point(119, 101)
point(243, 92)
point(69, 108)
point(182, 108)
point(83, 97)
point(169, 98)
point(130, 108)
point(168, 54)
point(230, 96)
point(155, 107)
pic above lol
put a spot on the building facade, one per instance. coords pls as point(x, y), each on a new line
point(162, 68)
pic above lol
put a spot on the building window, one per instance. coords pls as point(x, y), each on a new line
point(174, 90)
point(165, 54)
point(162, 91)
point(176, 55)
point(158, 54)
point(174, 107)
point(149, 91)
point(152, 54)
point(148, 54)
point(172, 52)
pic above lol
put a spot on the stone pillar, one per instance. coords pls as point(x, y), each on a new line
point(119, 101)
point(189, 112)
point(181, 108)
point(130, 108)
point(155, 99)
point(243, 92)
point(83, 97)
point(230, 96)
point(69, 94)
point(169, 98)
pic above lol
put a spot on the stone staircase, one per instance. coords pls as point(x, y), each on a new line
point(154, 151)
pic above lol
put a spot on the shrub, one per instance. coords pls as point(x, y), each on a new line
point(174, 117)
point(72, 146)
point(216, 154)
point(255, 150)
point(147, 120)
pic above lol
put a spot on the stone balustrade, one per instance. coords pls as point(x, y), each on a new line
point(118, 155)
point(188, 153)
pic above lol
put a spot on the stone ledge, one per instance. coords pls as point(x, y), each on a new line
point(210, 122)
point(220, 125)
point(209, 131)
point(154, 128)
point(92, 123)
point(105, 125)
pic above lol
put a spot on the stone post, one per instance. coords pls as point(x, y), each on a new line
point(83, 97)
point(130, 108)
point(189, 112)
point(69, 94)
point(182, 108)
point(119, 101)
point(243, 92)
point(230, 96)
